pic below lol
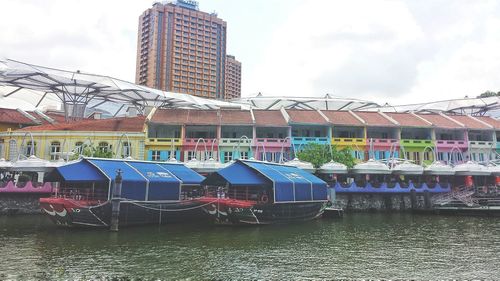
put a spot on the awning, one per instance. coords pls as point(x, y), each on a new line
point(186, 175)
point(142, 180)
point(290, 184)
point(239, 174)
point(79, 171)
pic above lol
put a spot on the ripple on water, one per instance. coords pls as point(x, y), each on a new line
point(358, 246)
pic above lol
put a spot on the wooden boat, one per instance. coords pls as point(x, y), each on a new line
point(151, 193)
point(256, 192)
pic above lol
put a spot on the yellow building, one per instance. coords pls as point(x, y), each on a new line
point(122, 136)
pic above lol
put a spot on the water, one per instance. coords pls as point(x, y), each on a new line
point(359, 246)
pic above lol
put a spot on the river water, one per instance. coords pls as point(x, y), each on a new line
point(359, 246)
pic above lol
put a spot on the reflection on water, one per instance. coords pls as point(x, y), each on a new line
point(358, 246)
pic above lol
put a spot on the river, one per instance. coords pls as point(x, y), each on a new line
point(359, 246)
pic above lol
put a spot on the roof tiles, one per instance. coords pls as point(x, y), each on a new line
point(124, 124)
point(440, 121)
point(12, 116)
point(306, 117)
point(342, 118)
point(469, 122)
point(408, 120)
point(374, 119)
point(269, 118)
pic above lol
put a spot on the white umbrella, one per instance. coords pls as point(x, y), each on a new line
point(371, 167)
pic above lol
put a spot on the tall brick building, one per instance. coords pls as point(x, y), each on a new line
point(181, 49)
point(233, 78)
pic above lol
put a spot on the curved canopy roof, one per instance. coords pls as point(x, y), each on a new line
point(78, 88)
point(308, 103)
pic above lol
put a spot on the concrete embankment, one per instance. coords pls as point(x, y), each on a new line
point(12, 203)
point(362, 202)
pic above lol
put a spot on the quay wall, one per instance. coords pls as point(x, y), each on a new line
point(11, 204)
point(22, 204)
point(363, 202)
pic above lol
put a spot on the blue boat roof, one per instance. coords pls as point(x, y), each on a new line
point(142, 180)
point(290, 184)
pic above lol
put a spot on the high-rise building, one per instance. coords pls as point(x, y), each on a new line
point(233, 78)
point(181, 49)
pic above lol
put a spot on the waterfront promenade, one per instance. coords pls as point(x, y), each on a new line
point(360, 246)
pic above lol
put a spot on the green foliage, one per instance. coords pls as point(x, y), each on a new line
point(488, 94)
point(91, 151)
point(319, 154)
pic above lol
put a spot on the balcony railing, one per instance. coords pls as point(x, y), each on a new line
point(163, 141)
point(486, 144)
point(305, 140)
point(234, 141)
point(413, 142)
point(451, 143)
point(193, 141)
point(272, 142)
point(382, 142)
point(349, 141)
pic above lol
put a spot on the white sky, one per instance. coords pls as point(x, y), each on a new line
point(386, 51)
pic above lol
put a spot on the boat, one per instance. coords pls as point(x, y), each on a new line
point(26, 175)
point(151, 193)
point(250, 192)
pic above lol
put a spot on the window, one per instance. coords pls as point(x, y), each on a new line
point(481, 157)
point(427, 156)
point(228, 156)
point(416, 157)
point(28, 150)
point(126, 149)
point(407, 155)
point(55, 149)
point(155, 155)
point(191, 155)
point(441, 156)
point(103, 147)
point(244, 155)
point(78, 147)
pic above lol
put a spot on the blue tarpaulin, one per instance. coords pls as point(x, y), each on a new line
point(142, 180)
point(162, 184)
point(79, 171)
point(290, 184)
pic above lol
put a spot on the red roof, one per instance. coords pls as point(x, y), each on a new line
point(493, 122)
point(341, 118)
point(469, 122)
point(269, 118)
point(170, 116)
point(306, 117)
point(440, 121)
point(236, 117)
point(374, 119)
point(13, 116)
point(408, 120)
point(124, 124)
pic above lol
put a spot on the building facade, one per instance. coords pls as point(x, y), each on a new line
point(181, 49)
point(122, 137)
point(272, 135)
point(233, 78)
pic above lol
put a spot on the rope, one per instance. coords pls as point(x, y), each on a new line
point(176, 210)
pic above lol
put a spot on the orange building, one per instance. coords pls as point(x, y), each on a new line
point(233, 78)
point(181, 49)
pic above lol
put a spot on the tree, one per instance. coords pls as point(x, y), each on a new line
point(319, 154)
point(488, 94)
point(91, 151)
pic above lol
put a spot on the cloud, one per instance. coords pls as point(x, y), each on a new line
point(396, 51)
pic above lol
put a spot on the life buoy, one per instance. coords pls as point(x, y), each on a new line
point(264, 199)
point(469, 181)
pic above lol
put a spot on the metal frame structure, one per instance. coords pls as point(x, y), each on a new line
point(78, 91)
point(306, 103)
